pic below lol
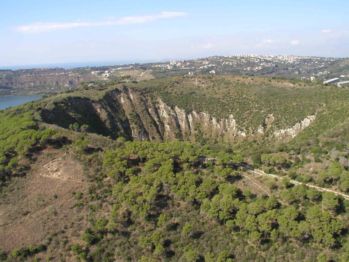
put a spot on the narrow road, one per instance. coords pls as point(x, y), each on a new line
point(321, 189)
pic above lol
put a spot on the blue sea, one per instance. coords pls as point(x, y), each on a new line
point(9, 101)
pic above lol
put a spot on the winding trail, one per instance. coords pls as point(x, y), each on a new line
point(321, 189)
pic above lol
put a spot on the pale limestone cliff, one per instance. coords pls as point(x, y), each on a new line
point(129, 113)
point(296, 129)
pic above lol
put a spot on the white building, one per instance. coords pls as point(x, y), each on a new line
point(342, 83)
point(329, 81)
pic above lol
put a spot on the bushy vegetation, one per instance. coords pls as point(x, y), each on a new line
point(182, 202)
point(19, 134)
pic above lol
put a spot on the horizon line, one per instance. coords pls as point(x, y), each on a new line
point(76, 65)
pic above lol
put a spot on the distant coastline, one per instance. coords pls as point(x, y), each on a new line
point(71, 65)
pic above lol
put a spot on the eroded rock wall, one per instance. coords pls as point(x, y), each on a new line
point(134, 115)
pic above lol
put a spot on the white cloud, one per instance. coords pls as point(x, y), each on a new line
point(127, 20)
point(326, 31)
point(295, 42)
point(148, 18)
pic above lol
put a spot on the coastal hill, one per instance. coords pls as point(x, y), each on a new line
point(180, 168)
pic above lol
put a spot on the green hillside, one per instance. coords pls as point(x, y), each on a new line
point(116, 172)
point(250, 100)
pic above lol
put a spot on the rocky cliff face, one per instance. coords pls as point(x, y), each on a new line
point(133, 115)
point(296, 129)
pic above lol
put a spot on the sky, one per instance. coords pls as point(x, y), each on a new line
point(91, 32)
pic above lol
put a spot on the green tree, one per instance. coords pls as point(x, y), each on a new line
point(330, 202)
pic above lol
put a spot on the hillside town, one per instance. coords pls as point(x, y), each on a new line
point(328, 71)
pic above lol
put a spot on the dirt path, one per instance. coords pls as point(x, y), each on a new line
point(321, 189)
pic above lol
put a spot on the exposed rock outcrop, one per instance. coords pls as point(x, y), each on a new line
point(134, 115)
point(296, 129)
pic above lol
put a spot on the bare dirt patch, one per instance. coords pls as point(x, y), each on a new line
point(62, 168)
point(253, 184)
point(34, 207)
